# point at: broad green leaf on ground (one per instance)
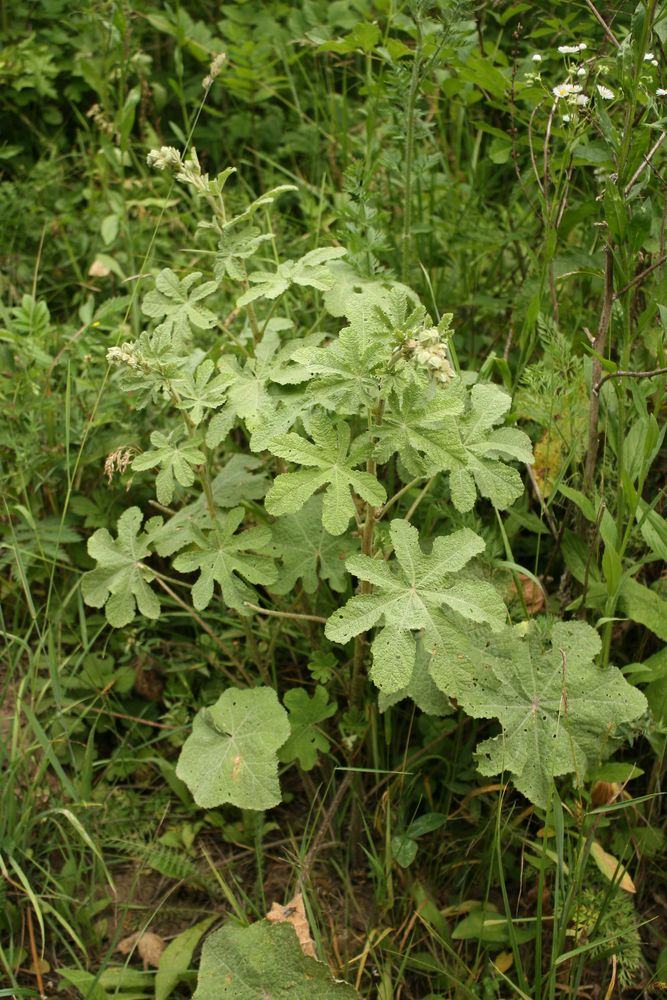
(176, 458)
(308, 552)
(477, 463)
(120, 580)
(178, 304)
(332, 463)
(199, 393)
(306, 740)
(238, 480)
(176, 958)
(558, 710)
(230, 755)
(263, 962)
(421, 688)
(223, 557)
(310, 270)
(409, 590)
(420, 426)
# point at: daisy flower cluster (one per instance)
(569, 96)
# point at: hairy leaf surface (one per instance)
(409, 591)
(308, 551)
(263, 962)
(558, 710)
(306, 740)
(332, 464)
(230, 755)
(120, 580)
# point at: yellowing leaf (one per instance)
(503, 961)
(611, 868)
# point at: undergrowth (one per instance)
(332, 357)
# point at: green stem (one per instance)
(409, 155)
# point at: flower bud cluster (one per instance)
(126, 354)
(430, 351)
(188, 171)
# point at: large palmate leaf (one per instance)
(176, 458)
(308, 551)
(237, 480)
(332, 463)
(249, 385)
(178, 304)
(223, 557)
(263, 962)
(230, 755)
(311, 270)
(420, 425)
(476, 464)
(421, 688)
(558, 710)
(306, 739)
(235, 246)
(121, 579)
(199, 393)
(346, 375)
(409, 592)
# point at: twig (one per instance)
(646, 162)
(314, 848)
(640, 277)
(598, 347)
(545, 510)
(131, 718)
(285, 614)
(36, 964)
(605, 27)
(619, 374)
(209, 631)
(419, 499)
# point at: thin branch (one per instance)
(646, 162)
(619, 374)
(605, 27)
(232, 657)
(419, 499)
(285, 614)
(598, 347)
(640, 277)
(381, 511)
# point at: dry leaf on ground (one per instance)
(294, 913)
(149, 946)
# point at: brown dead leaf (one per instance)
(98, 270)
(532, 594)
(150, 946)
(294, 913)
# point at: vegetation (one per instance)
(332, 537)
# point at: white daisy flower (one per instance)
(605, 92)
(661, 92)
(582, 100)
(582, 46)
(567, 118)
(648, 57)
(582, 71)
(654, 62)
(536, 57)
(568, 50)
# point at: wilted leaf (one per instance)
(294, 913)
(149, 946)
(611, 868)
